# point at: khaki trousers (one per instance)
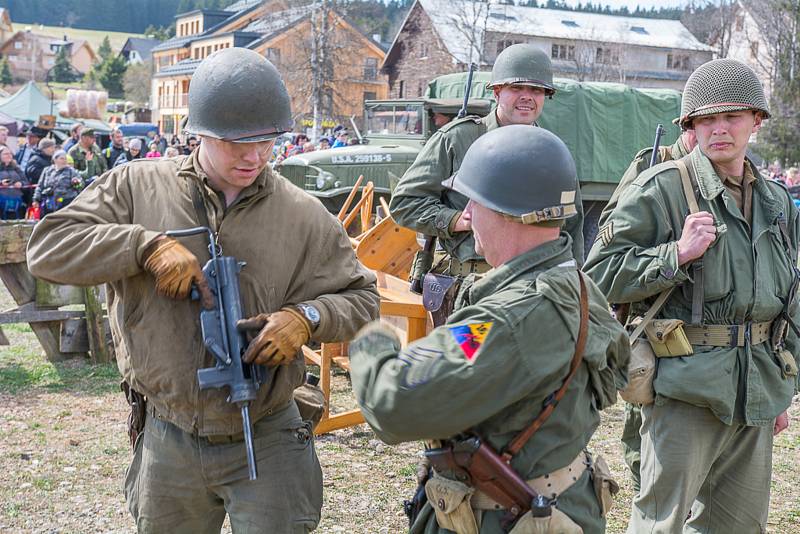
(180, 483)
(691, 461)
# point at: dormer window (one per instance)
(570, 23)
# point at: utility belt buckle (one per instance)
(746, 329)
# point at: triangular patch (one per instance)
(470, 337)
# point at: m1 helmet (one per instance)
(238, 95)
(524, 172)
(523, 64)
(720, 86)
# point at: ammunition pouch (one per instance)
(605, 487)
(556, 523)
(138, 415)
(439, 293)
(668, 338)
(450, 500)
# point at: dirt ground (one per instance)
(64, 450)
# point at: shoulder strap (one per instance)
(199, 205)
(552, 400)
(698, 290)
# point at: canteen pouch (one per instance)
(556, 523)
(439, 293)
(310, 401)
(667, 338)
(787, 362)
(641, 371)
(605, 487)
(450, 500)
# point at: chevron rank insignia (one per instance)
(470, 337)
(606, 233)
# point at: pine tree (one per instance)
(62, 70)
(5, 73)
(104, 51)
(110, 74)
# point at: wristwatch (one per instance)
(311, 314)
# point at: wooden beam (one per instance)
(339, 421)
(96, 326)
(30, 314)
(403, 309)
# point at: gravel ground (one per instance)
(64, 450)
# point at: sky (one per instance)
(632, 3)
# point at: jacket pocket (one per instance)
(717, 268)
(778, 258)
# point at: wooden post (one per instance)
(95, 325)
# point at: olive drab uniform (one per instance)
(631, 440)
(89, 170)
(421, 203)
(489, 370)
(706, 442)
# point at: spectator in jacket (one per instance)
(117, 147)
(86, 157)
(74, 136)
(32, 138)
(134, 152)
(12, 179)
(42, 157)
(59, 184)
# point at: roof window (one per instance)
(570, 23)
(639, 29)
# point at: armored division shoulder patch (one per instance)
(470, 337)
(606, 233)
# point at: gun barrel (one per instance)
(248, 441)
(656, 144)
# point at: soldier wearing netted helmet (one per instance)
(300, 282)
(720, 285)
(500, 369)
(522, 78)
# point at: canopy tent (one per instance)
(29, 103)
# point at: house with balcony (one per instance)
(445, 36)
(282, 34)
(31, 55)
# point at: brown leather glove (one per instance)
(175, 269)
(275, 337)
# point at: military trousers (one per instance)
(178, 482)
(632, 442)
(694, 463)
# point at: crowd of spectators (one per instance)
(44, 175)
(300, 144)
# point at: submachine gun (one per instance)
(423, 261)
(224, 341)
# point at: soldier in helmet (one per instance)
(726, 275)
(521, 78)
(489, 371)
(300, 282)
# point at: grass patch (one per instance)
(22, 370)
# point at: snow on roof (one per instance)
(453, 19)
(242, 5)
(277, 21)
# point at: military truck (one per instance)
(603, 124)
(393, 134)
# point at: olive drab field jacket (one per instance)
(295, 251)
(507, 347)
(421, 203)
(749, 273)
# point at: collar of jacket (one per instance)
(710, 184)
(263, 185)
(490, 121)
(547, 255)
(678, 151)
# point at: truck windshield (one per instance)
(394, 119)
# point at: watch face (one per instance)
(311, 313)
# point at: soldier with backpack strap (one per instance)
(720, 282)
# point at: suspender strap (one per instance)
(199, 205)
(698, 290)
(552, 400)
(654, 309)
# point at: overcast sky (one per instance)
(632, 3)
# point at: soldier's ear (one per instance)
(758, 120)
